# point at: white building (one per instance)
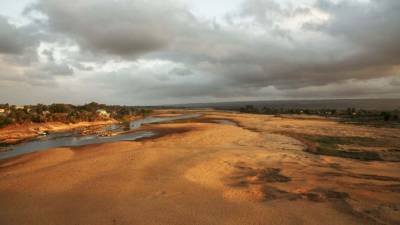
(103, 113)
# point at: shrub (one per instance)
(4, 121)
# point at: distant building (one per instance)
(2, 111)
(21, 107)
(102, 113)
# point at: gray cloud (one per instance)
(14, 40)
(180, 71)
(57, 69)
(371, 27)
(121, 28)
(252, 54)
(358, 42)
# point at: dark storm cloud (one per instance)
(372, 27)
(14, 40)
(45, 75)
(373, 24)
(347, 49)
(123, 28)
(360, 41)
(127, 28)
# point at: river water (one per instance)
(73, 138)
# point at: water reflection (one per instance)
(74, 138)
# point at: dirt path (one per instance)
(211, 174)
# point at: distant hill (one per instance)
(367, 104)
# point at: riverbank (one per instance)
(205, 172)
(130, 131)
(19, 132)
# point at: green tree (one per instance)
(4, 121)
(60, 108)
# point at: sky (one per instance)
(141, 52)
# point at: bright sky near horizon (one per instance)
(178, 51)
(206, 8)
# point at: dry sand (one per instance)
(209, 174)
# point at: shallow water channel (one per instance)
(73, 138)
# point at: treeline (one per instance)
(350, 113)
(67, 113)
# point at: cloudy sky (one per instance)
(144, 52)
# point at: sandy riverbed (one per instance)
(207, 173)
